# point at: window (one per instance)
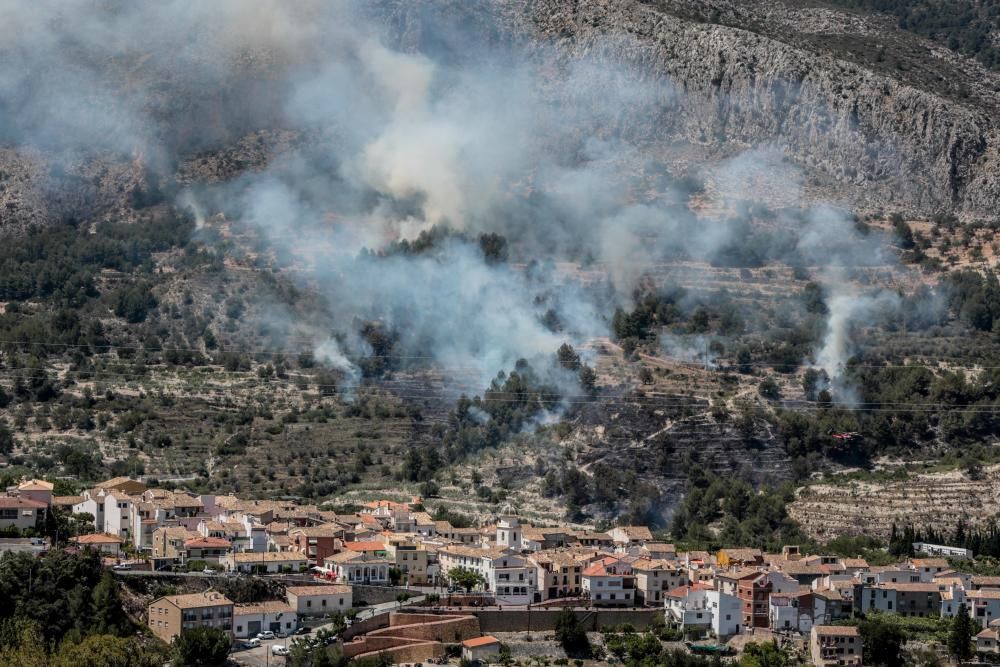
(324, 602)
(309, 603)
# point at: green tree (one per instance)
(568, 358)
(466, 578)
(588, 379)
(961, 634)
(201, 647)
(763, 655)
(107, 616)
(571, 635)
(882, 642)
(769, 389)
(6, 439)
(109, 651)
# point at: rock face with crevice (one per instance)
(885, 141)
(875, 116)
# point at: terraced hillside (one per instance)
(846, 506)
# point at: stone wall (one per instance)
(422, 652)
(442, 628)
(376, 594)
(366, 626)
(545, 619)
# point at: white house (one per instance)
(726, 613)
(271, 562)
(510, 576)
(276, 616)
(117, 513)
(609, 582)
(700, 607)
(319, 600)
(983, 605)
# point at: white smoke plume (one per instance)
(405, 124)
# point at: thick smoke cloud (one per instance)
(398, 141)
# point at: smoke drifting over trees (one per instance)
(401, 135)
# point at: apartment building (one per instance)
(558, 574)
(610, 582)
(21, 513)
(653, 578)
(170, 616)
(835, 646)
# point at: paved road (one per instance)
(261, 656)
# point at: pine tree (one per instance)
(107, 615)
(960, 635)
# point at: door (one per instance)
(253, 627)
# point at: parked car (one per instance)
(266, 635)
(251, 643)
(278, 649)
(122, 566)
(303, 630)
(208, 570)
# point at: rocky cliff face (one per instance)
(875, 117)
(886, 142)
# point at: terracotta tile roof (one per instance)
(376, 504)
(982, 580)
(359, 556)
(115, 482)
(207, 543)
(325, 530)
(742, 573)
(837, 630)
(636, 532)
(486, 640)
(266, 607)
(682, 591)
(913, 587)
(983, 595)
(35, 485)
(9, 502)
(195, 600)
(364, 546)
(66, 501)
(98, 538)
(267, 556)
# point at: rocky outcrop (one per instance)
(891, 143)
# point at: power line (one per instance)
(799, 405)
(694, 364)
